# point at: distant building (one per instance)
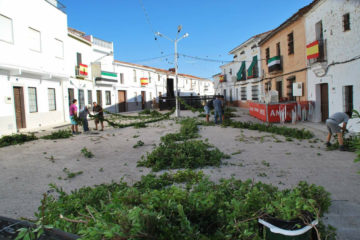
(333, 50)
(240, 80)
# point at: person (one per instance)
(217, 109)
(332, 125)
(97, 109)
(84, 112)
(73, 116)
(207, 108)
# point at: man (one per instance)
(73, 116)
(217, 109)
(84, 112)
(332, 125)
(97, 109)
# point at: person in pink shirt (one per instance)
(73, 115)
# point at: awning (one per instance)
(250, 71)
(240, 75)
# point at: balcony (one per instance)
(57, 4)
(275, 64)
(81, 71)
(320, 55)
(102, 43)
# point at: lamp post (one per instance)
(177, 108)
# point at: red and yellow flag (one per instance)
(221, 78)
(83, 69)
(144, 81)
(312, 50)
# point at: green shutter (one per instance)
(240, 72)
(250, 71)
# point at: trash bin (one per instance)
(276, 229)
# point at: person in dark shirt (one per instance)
(97, 109)
(218, 109)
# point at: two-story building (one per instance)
(240, 80)
(283, 54)
(32, 64)
(333, 50)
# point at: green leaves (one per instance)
(16, 139)
(58, 134)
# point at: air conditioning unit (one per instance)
(298, 89)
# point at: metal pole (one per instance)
(177, 110)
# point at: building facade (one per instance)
(283, 54)
(32, 64)
(240, 80)
(332, 38)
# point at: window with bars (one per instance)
(243, 93)
(32, 100)
(6, 26)
(255, 92)
(108, 97)
(267, 53)
(121, 78)
(346, 22)
(52, 99)
(81, 98)
(290, 43)
(90, 101)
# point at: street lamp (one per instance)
(177, 109)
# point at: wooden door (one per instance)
(122, 101)
(19, 107)
(324, 92)
(143, 99)
(99, 97)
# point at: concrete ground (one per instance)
(26, 170)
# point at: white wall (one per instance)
(341, 46)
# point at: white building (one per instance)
(240, 80)
(334, 69)
(32, 64)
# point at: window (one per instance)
(253, 46)
(6, 33)
(243, 93)
(279, 89)
(319, 30)
(52, 99)
(121, 78)
(81, 99)
(158, 77)
(90, 101)
(78, 58)
(230, 71)
(134, 75)
(59, 48)
(34, 40)
(267, 53)
(149, 78)
(236, 94)
(108, 97)
(348, 98)
(255, 92)
(278, 52)
(291, 43)
(290, 81)
(32, 100)
(242, 52)
(346, 22)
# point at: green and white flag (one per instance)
(274, 63)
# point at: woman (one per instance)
(73, 116)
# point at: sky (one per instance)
(214, 27)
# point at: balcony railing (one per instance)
(102, 43)
(322, 53)
(57, 4)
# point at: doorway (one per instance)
(170, 88)
(348, 101)
(71, 95)
(99, 97)
(324, 96)
(143, 99)
(19, 107)
(122, 100)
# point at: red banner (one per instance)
(258, 110)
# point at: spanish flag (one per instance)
(144, 81)
(222, 78)
(83, 69)
(312, 50)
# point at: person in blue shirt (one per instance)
(332, 125)
(218, 109)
